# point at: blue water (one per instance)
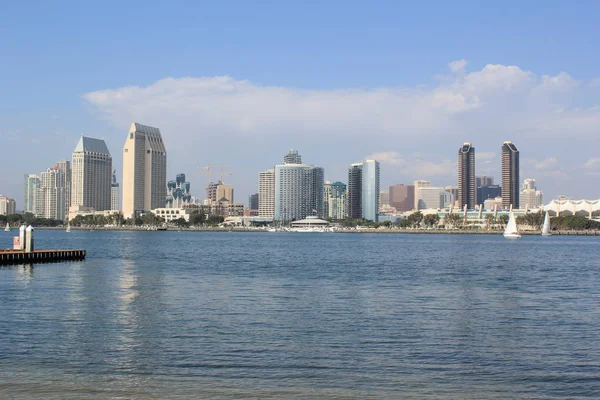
(304, 316)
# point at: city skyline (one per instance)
(376, 91)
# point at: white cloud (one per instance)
(546, 164)
(458, 66)
(219, 119)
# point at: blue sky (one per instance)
(241, 82)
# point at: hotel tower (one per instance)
(467, 192)
(510, 175)
(144, 182)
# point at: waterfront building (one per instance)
(292, 157)
(488, 192)
(484, 180)
(169, 214)
(211, 192)
(178, 192)
(492, 203)
(510, 175)
(298, 190)
(363, 190)
(430, 197)
(144, 170)
(52, 194)
(530, 197)
(402, 197)
(91, 186)
(564, 206)
(32, 186)
(115, 193)
(419, 184)
(266, 194)
(8, 206)
(334, 200)
(65, 167)
(466, 176)
(253, 202)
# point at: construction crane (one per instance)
(207, 169)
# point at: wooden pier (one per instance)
(39, 256)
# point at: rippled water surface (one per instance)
(291, 315)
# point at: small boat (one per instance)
(546, 226)
(511, 231)
(68, 227)
(7, 229)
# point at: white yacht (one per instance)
(511, 231)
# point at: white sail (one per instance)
(68, 226)
(511, 230)
(7, 229)
(546, 226)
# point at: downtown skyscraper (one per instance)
(298, 189)
(144, 182)
(467, 191)
(510, 175)
(363, 190)
(32, 186)
(90, 182)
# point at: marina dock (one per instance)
(39, 256)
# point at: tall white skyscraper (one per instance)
(298, 189)
(52, 194)
(91, 175)
(266, 194)
(144, 170)
(7, 205)
(363, 190)
(334, 200)
(530, 197)
(115, 193)
(32, 186)
(65, 167)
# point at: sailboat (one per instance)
(7, 229)
(511, 230)
(546, 226)
(68, 227)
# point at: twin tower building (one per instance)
(467, 189)
(144, 185)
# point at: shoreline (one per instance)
(354, 231)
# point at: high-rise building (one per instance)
(488, 192)
(363, 190)
(483, 180)
(32, 186)
(510, 175)
(253, 201)
(334, 200)
(266, 194)
(429, 197)
(225, 193)
(178, 192)
(91, 183)
(298, 190)
(466, 176)
(115, 193)
(418, 185)
(292, 157)
(52, 194)
(7, 206)
(384, 199)
(530, 197)
(144, 170)
(65, 167)
(402, 197)
(452, 196)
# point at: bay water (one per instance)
(237, 315)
